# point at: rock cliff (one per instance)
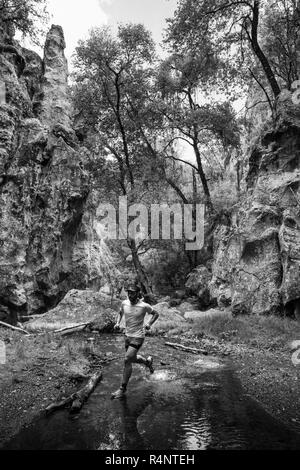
(257, 253)
(48, 244)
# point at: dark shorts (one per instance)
(135, 343)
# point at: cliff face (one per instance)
(257, 255)
(47, 241)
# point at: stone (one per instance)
(168, 318)
(173, 302)
(179, 294)
(289, 240)
(106, 289)
(256, 266)
(199, 314)
(49, 239)
(77, 307)
(198, 284)
(186, 307)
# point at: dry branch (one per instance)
(70, 329)
(6, 325)
(186, 348)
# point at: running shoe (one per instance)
(150, 364)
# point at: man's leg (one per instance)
(130, 358)
(141, 360)
(146, 362)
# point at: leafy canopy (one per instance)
(26, 16)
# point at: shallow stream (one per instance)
(191, 402)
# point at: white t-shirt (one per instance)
(134, 316)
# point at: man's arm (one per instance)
(155, 316)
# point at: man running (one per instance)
(134, 311)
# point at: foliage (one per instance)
(257, 39)
(112, 78)
(282, 39)
(113, 84)
(26, 16)
(188, 115)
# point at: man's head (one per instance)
(133, 292)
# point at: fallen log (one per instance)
(59, 404)
(71, 329)
(187, 348)
(85, 392)
(77, 399)
(15, 328)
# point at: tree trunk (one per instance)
(177, 190)
(260, 54)
(238, 178)
(202, 176)
(141, 274)
(190, 259)
(195, 200)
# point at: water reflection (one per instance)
(130, 413)
(197, 431)
(162, 375)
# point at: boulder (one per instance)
(186, 307)
(198, 284)
(174, 302)
(167, 298)
(199, 315)
(78, 307)
(256, 263)
(169, 318)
